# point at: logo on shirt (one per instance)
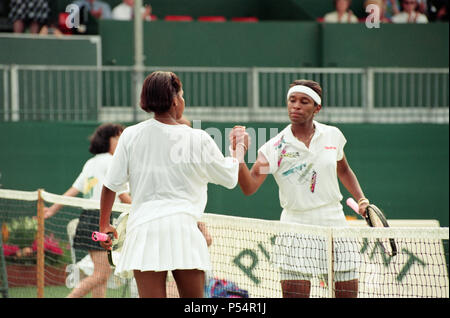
(285, 154)
(89, 186)
(330, 147)
(312, 186)
(302, 174)
(279, 144)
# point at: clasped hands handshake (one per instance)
(239, 142)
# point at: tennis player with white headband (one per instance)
(305, 90)
(306, 159)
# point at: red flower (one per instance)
(9, 250)
(50, 244)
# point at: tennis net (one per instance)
(253, 255)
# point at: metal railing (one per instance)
(85, 93)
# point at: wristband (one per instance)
(363, 200)
(233, 154)
(243, 145)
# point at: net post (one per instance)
(40, 246)
(330, 258)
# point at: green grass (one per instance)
(61, 292)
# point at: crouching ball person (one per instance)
(307, 159)
(168, 166)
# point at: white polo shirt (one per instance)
(125, 12)
(404, 17)
(90, 181)
(168, 168)
(307, 177)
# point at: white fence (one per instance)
(382, 95)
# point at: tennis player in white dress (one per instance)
(307, 159)
(168, 166)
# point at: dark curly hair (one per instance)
(158, 91)
(311, 84)
(100, 138)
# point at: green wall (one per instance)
(232, 44)
(213, 44)
(409, 45)
(48, 50)
(278, 44)
(404, 168)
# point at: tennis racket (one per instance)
(102, 237)
(376, 218)
(120, 224)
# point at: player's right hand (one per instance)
(107, 245)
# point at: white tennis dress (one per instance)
(309, 194)
(168, 168)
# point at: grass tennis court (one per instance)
(392, 108)
(59, 292)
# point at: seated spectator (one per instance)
(52, 27)
(98, 9)
(382, 9)
(125, 11)
(391, 8)
(32, 13)
(410, 13)
(438, 10)
(422, 6)
(342, 14)
(51, 30)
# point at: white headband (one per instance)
(305, 90)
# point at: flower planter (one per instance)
(25, 275)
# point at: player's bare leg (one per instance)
(97, 281)
(190, 283)
(151, 284)
(296, 288)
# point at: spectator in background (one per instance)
(52, 26)
(343, 14)
(422, 6)
(125, 11)
(382, 7)
(98, 9)
(391, 8)
(51, 30)
(410, 13)
(32, 13)
(438, 10)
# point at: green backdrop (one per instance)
(232, 44)
(402, 167)
(278, 44)
(49, 50)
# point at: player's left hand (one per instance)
(362, 208)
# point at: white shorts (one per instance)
(343, 276)
(164, 244)
(301, 256)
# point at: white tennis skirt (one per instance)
(164, 244)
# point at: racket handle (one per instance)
(99, 236)
(353, 205)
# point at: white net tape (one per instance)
(258, 254)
